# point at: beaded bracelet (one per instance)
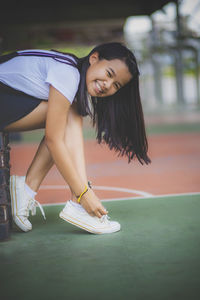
(90, 184)
(81, 195)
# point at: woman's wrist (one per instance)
(74, 197)
(82, 194)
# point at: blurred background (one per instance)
(159, 244)
(164, 36)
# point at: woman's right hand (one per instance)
(92, 204)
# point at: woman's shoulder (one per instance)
(61, 69)
(53, 54)
(58, 63)
(64, 77)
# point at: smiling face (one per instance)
(105, 77)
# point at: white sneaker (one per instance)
(21, 203)
(80, 218)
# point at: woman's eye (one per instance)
(116, 86)
(109, 74)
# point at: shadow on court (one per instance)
(154, 256)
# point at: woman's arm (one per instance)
(56, 122)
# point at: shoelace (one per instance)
(32, 207)
(105, 219)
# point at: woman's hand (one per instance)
(92, 204)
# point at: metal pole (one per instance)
(198, 75)
(179, 58)
(156, 65)
(5, 206)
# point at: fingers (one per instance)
(103, 211)
(93, 205)
(100, 212)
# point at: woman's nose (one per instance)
(108, 83)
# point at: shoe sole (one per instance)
(18, 221)
(77, 223)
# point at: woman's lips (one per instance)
(97, 87)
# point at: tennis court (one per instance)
(154, 256)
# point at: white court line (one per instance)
(131, 198)
(100, 188)
(143, 195)
(154, 196)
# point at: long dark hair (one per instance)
(118, 118)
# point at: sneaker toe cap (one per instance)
(23, 223)
(115, 225)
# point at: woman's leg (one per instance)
(34, 120)
(40, 166)
(42, 162)
(22, 199)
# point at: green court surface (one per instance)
(156, 255)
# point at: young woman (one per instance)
(52, 90)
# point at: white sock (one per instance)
(77, 205)
(29, 191)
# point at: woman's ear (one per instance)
(94, 57)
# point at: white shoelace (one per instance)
(32, 207)
(105, 219)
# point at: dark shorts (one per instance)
(14, 105)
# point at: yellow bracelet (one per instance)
(79, 197)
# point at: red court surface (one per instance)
(175, 169)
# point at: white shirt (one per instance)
(33, 75)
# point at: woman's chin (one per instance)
(92, 94)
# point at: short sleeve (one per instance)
(64, 78)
